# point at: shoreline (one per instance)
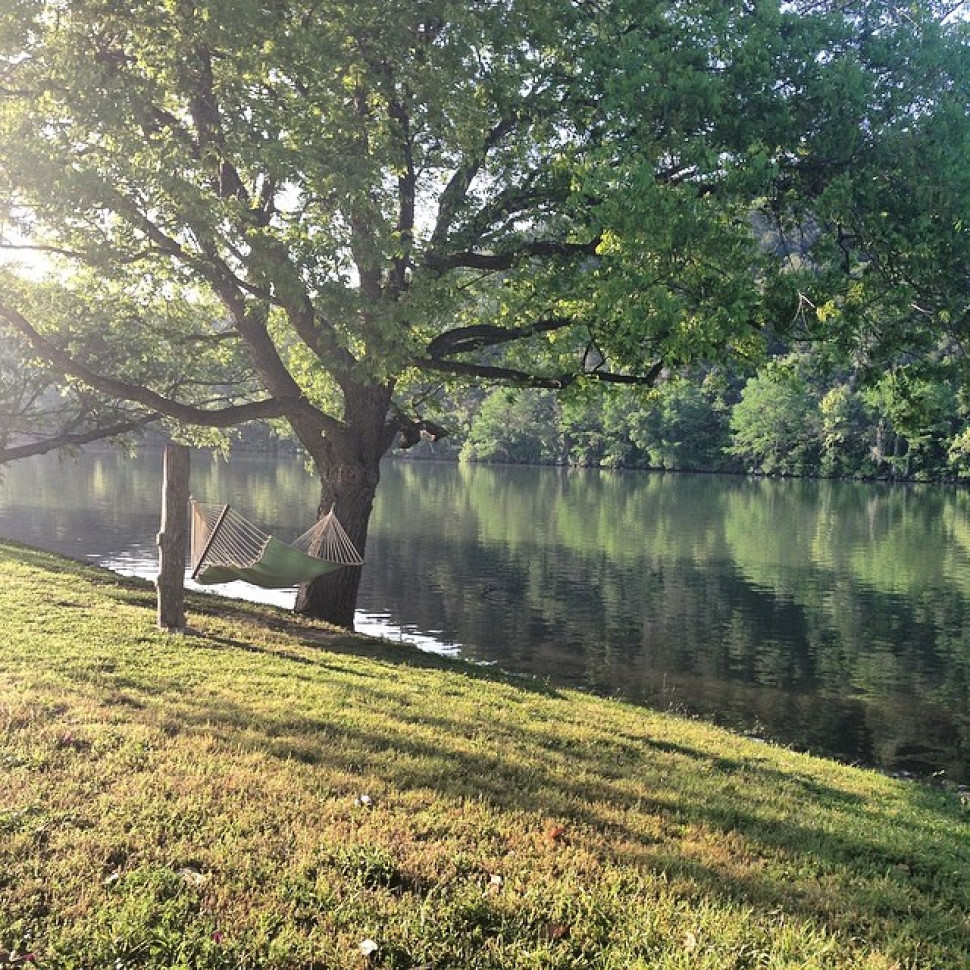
(270, 792)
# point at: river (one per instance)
(830, 616)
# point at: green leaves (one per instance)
(618, 187)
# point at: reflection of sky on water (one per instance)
(831, 616)
(135, 562)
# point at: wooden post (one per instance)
(173, 539)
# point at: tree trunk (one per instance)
(350, 490)
(349, 464)
(173, 539)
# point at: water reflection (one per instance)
(826, 615)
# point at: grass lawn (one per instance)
(266, 793)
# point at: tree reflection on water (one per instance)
(825, 615)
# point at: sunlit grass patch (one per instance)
(267, 793)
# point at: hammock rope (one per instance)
(226, 546)
(334, 543)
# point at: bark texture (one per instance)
(349, 464)
(173, 539)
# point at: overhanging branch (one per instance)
(521, 378)
(479, 336)
(221, 418)
(74, 439)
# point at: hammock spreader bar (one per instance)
(227, 547)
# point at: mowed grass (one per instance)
(265, 793)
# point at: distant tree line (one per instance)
(799, 414)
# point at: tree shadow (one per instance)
(337, 641)
(617, 786)
(591, 788)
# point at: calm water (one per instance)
(830, 616)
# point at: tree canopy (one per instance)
(326, 212)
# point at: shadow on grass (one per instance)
(643, 799)
(623, 788)
(843, 878)
(337, 641)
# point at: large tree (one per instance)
(322, 211)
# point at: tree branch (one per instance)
(497, 262)
(291, 295)
(479, 336)
(206, 117)
(411, 430)
(221, 418)
(456, 191)
(406, 192)
(528, 195)
(522, 378)
(74, 439)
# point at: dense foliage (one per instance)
(332, 215)
(790, 417)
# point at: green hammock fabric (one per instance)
(278, 567)
(227, 547)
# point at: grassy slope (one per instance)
(193, 801)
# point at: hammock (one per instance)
(228, 547)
